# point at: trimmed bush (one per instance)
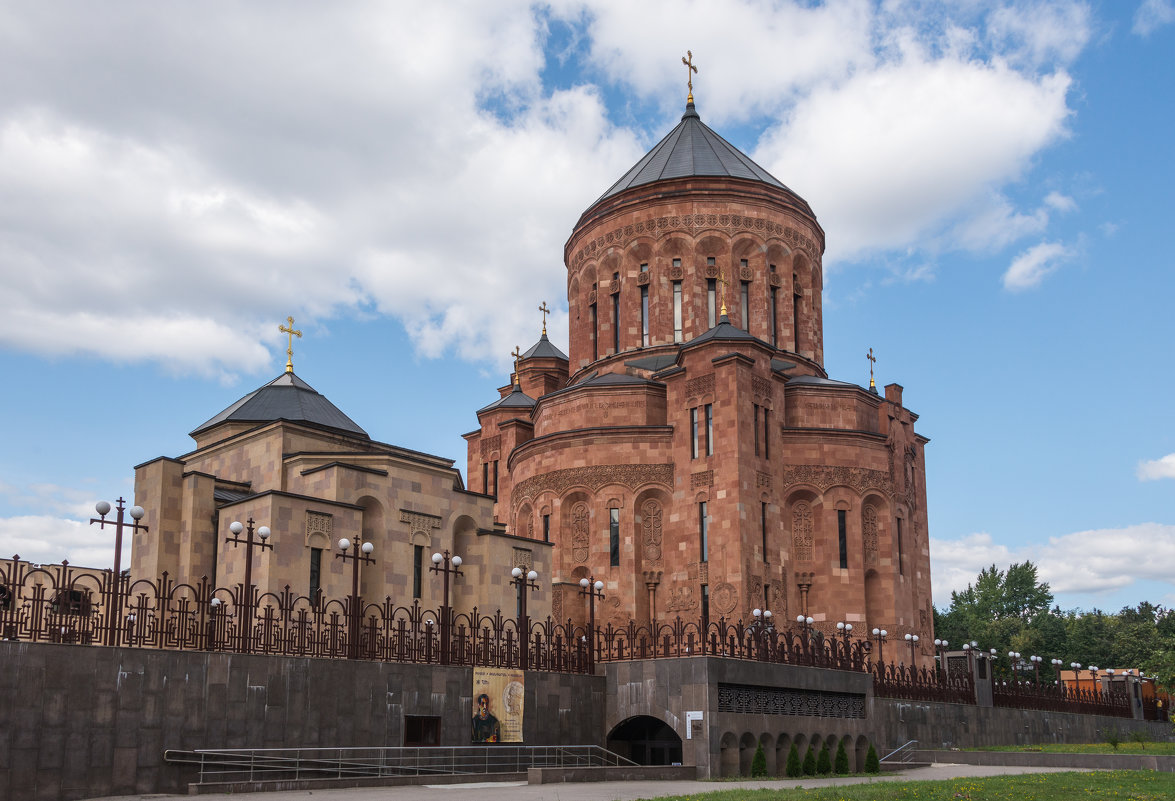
(759, 763)
(824, 762)
(1113, 737)
(841, 765)
(809, 766)
(793, 763)
(872, 764)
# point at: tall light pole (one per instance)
(593, 589)
(912, 641)
(846, 631)
(447, 566)
(247, 593)
(524, 581)
(880, 634)
(115, 606)
(940, 647)
(362, 554)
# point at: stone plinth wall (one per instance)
(1043, 760)
(81, 722)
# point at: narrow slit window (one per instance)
(703, 532)
(842, 538)
(614, 537)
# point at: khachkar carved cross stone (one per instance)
(290, 347)
(690, 71)
(543, 308)
(872, 361)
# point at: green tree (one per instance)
(997, 609)
(794, 769)
(841, 765)
(809, 766)
(824, 762)
(872, 765)
(759, 763)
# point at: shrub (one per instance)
(793, 763)
(872, 765)
(1141, 736)
(1113, 737)
(759, 763)
(841, 765)
(809, 766)
(824, 762)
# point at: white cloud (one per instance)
(1040, 33)
(1030, 267)
(1153, 14)
(1085, 562)
(1062, 203)
(1157, 468)
(48, 540)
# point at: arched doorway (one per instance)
(646, 741)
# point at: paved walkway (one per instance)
(590, 791)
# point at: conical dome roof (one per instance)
(693, 149)
(287, 397)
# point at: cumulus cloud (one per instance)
(1153, 14)
(49, 540)
(1157, 468)
(1033, 265)
(1059, 202)
(1085, 562)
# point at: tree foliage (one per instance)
(794, 770)
(872, 764)
(759, 763)
(824, 762)
(841, 764)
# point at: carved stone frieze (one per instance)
(319, 523)
(744, 273)
(696, 387)
(776, 279)
(869, 535)
(702, 479)
(676, 272)
(594, 478)
(681, 599)
(724, 598)
(524, 558)
(557, 606)
(489, 445)
(824, 476)
(419, 522)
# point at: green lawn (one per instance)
(1125, 747)
(1118, 785)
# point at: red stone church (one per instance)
(691, 452)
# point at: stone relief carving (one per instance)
(762, 480)
(557, 606)
(676, 272)
(703, 479)
(524, 558)
(760, 387)
(594, 478)
(319, 523)
(801, 526)
(681, 599)
(696, 387)
(725, 598)
(580, 542)
(859, 478)
(651, 530)
(744, 273)
(869, 535)
(642, 279)
(490, 444)
(419, 522)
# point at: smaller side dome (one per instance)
(286, 397)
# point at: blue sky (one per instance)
(993, 179)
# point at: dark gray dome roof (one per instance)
(543, 349)
(286, 397)
(692, 149)
(517, 399)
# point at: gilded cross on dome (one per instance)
(543, 308)
(722, 280)
(290, 347)
(690, 71)
(872, 360)
(516, 353)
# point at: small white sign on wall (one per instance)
(692, 720)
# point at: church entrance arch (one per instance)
(646, 741)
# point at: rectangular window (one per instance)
(594, 321)
(766, 434)
(901, 554)
(795, 317)
(417, 568)
(546, 528)
(645, 267)
(677, 334)
(495, 478)
(746, 305)
(644, 316)
(842, 538)
(485, 478)
(711, 302)
(709, 429)
(703, 532)
(693, 432)
(774, 318)
(614, 537)
(705, 604)
(763, 526)
(616, 317)
(766, 596)
(756, 427)
(315, 572)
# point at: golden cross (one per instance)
(690, 71)
(290, 346)
(722, 280)
(872, 360)
(543, 308)
(517, 354)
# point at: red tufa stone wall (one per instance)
(825, 448)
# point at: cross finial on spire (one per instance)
(290, 347)
(872, 360)
(690, 71)
(517, 354)
(543, 308)
(722, 280)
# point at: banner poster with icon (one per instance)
(497, 705)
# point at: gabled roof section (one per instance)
(517, 399)
(724, 332)
(543, 349)
(286, 397)
(692, 149)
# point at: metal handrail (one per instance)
(904, 752)
(285, 764)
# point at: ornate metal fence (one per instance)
(1059, 698)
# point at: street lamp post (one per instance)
(940, 647)
(136, 512)
(246, 622)
(1036, 660)
(523, 581)
(447, 566)
(846, 631)
(912, 641)
(362, 554)
(593, 589)
(880, 634)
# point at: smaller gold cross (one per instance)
(722, 280)
(290, 346)
(872, 360)
(690, 71)
(543, 308)
(517, 354)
